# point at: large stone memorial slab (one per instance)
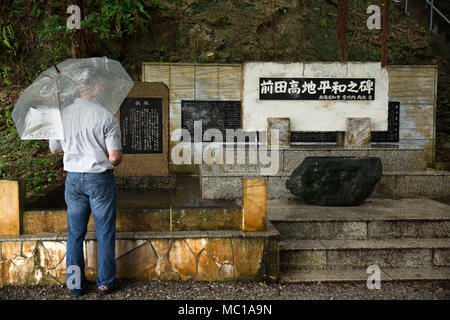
(316, 96)
(144, 125)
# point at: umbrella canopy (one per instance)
(42, 110)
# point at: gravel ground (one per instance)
(171, 290)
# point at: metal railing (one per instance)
(407, 8)
(432, 9)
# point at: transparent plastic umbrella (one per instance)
(40, 111)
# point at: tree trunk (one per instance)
(303, 40)
(342, 29)
(28, 9)
(136, 14)
(3, 10)
(238, 28)
(49, 7)
(84, 46)
(385, 34)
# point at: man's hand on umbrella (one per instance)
(55, 146)
(56, 151)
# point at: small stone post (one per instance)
(284, 132)
(12, 198)
(340, 138)
(358, 133)
(254, 200)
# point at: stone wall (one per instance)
(415, 87)
(200, 256)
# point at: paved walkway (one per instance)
(171, 290)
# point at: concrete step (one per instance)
(344, 275)
(354, 254)
(377, 218)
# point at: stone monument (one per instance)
(144, 125)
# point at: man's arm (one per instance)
(55, 146)
(113, 143)
(115, 156)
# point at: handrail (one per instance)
(433, 8)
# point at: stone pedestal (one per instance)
(340, 138)
(12, 197)
(406, 164)
(284, 132)
(358, 133)
(254, 200)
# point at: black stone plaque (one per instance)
(391, 135)
(219, 115)
(337, 89)
(305, 136)
(141, 125)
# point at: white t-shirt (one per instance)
(90, 131)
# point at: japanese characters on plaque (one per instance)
(219, 115)
(317, 89)
(141, 125)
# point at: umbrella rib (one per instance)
(47, 75)
(80, 84)
(57, 96)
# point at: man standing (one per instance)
(92, 148)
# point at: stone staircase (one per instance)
(408, 239)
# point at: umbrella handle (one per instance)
(57, 70)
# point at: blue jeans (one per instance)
(96, 192)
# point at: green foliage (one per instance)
(202, 6)
(4, 76)
(29, 160)
(8, 40)
(160, 54)
(115, 20)
(106, 19)
(2, 169)
(36, 37)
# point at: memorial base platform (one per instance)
(404, 173)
